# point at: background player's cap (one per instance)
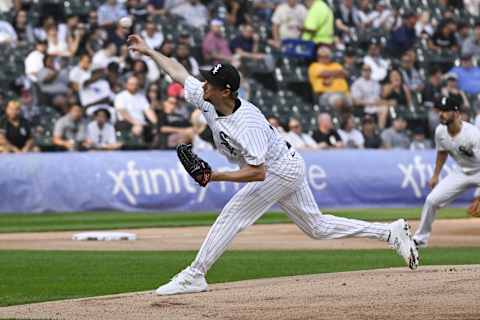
(223, 76)
(449, 104)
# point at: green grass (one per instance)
(33, 276)
(119, 220)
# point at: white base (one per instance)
(104, 236)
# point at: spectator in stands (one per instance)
(81, 72)
(113, 77)
(346, 19)
(95, 92)
(7, 33)
(403, 38)
(69, 132)
(351, 136)
(214, 46)
(468, 75)
(15, 132)
(463, 33)
(46, 23)
(182, 55)
(75, 35)
(350, 65)
(366, 93)
(152, 36)
(288, 20)
(432, 92)
(382, 16)
(236, 12)
(107, 54)
(275, 123)
(23, 27)
(137, 9)
(168, 47)
(202, 135)
(370, 134)
(29, 109)
(245, 45)
(419, 141)
(53, 83)
(56, 46)
(156, 7)
(118, 35)
(423, 27)
(451, 90)
(444, 37)
(319, 22)
(411, 76)
(328, 80)
(139, 71)
(378, 65)
(297, 138)
(365, 15)
(194, 13)
(92, 21)
(100, 132)
(396, 91)
(326, 136)
(34, 60)
(471, 46)
(153, 97)
(173, 127)
(110, 12)
(396, 137)
(132, 107)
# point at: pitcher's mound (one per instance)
(441, 292)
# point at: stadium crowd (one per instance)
(328, 74)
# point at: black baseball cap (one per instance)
(223, 75)
(449, 104)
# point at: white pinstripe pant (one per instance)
(292, 192)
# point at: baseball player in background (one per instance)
(273, 171)
(460, 140)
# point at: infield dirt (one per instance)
(440, 292)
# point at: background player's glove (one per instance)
(474, 208)
(196, 167)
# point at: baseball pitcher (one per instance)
(273, 171)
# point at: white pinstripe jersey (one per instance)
(245, 136)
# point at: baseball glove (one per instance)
(196, 167)
(474, 208)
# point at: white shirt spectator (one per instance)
(302, 141)
(101, 137)
(354, 138)
(33, 64)
(290, 20)
(6, 5)
(7, 32)
(194, 15)
(379, 67)
(367, 90)
(78, 75)
(94, 92)
(384, 19)
(108, 14)
(102, 59)
(135, 104)
(155, 41)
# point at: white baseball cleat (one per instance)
(187, 281)
(401, 239)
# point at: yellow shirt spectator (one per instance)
(321, 84)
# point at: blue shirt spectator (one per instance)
(110, 12)
(403, 38)
(468, 75)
